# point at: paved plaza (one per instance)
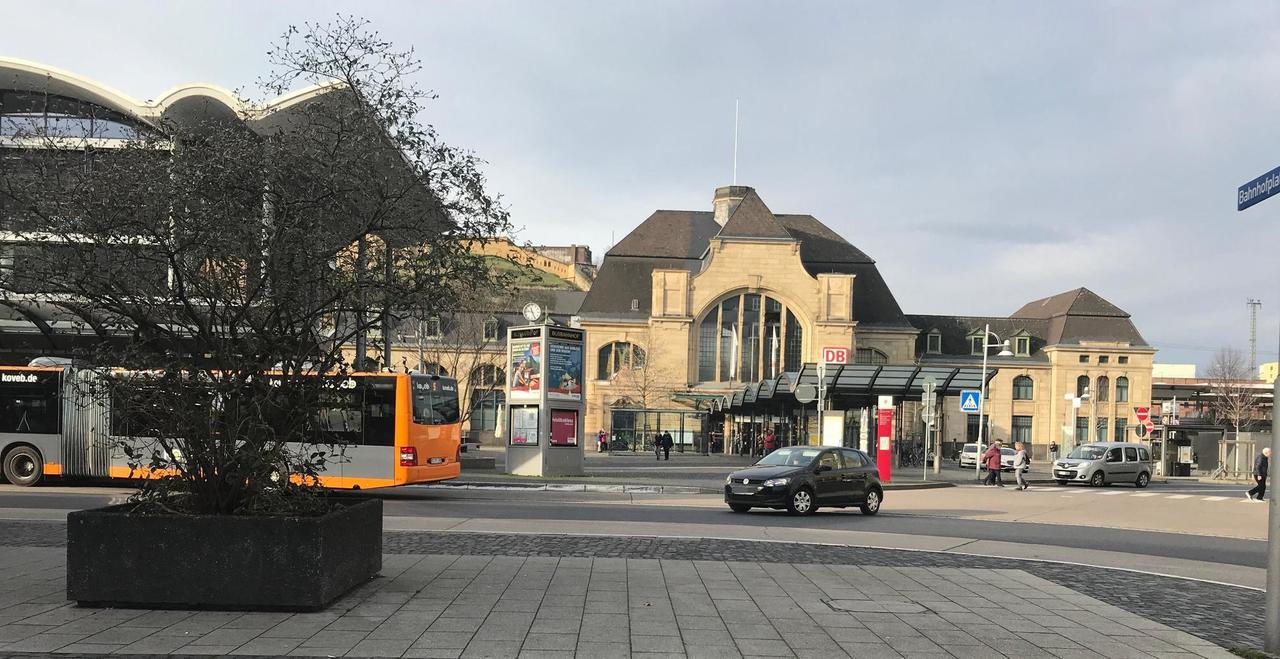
(637, 597)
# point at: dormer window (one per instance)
(933, 343)
(977, 343)
(491, 329)
(1022, 346)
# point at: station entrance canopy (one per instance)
(852, 385)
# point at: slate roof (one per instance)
(752, 219)
(673, 239)
(1077, 302)
(1067, 318)
(669, 234)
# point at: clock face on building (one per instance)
(532, 312)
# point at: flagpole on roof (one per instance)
(735, 141)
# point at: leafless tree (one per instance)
(1235, 400)
(225, 260)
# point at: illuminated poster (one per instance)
(564, 370)
(524, 426)
(564, 428)
(526, 370)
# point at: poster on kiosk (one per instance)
(544, 400)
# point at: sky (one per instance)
(984, 153)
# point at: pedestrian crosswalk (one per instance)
(1083, 492)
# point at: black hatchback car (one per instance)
(801, 479)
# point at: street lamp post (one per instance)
(982, 391)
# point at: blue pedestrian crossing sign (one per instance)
(969, 401)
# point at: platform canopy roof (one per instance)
(852, 384)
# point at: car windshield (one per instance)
(1088, 452)
(792, 456)
(970, 449)
(1006, 451)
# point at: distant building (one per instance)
(1269, 371)
(569, 263)
(1160, 371)
(694, 312)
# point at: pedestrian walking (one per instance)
(657, 445)
(1260, 467)
(1053, 451)
(602, 442)
(770, 442)
(667, 443)
(992, 461)
(1020, 464)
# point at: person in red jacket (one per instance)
(770, 442)
(992, 461)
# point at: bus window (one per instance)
(29, 402)
(435, 401)
(379, 411)
(339, 419)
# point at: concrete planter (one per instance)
(115, 558)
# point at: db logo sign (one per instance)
(835, 355)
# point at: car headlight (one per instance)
(728, 479)
(775, 482)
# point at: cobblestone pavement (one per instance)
(1226, 615)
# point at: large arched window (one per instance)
(1122, 390)
(1082, 386)
(618, 356)
(1023, 388)
(747, 338)
(1104, 389)
(870, 356)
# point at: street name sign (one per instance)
(1259, 189)
(835, 355)
(969, 401)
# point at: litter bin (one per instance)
(1182, 469)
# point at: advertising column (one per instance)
(884, 438)
(544, 401)
(525, 361)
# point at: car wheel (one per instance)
(23, 466)
(1062, 482)
(1098, 479)
(801, 502)
(739, 508)
(872, 506)
(1143, 479)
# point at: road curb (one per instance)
(524, 486)
(616, 488)
(917, 486)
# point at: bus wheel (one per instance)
(23, 466)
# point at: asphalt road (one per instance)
(416, 502)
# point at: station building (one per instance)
(703, 322)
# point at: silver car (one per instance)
(1103, 463)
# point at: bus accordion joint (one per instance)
(408, 456)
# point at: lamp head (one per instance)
(1004, 350)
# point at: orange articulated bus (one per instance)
(389, 429)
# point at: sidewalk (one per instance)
(467, 605)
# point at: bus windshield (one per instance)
(435, 400)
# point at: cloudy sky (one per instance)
(984, 153)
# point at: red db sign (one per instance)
(835, 355)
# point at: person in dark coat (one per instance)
(667, 443)
(1260, 467)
